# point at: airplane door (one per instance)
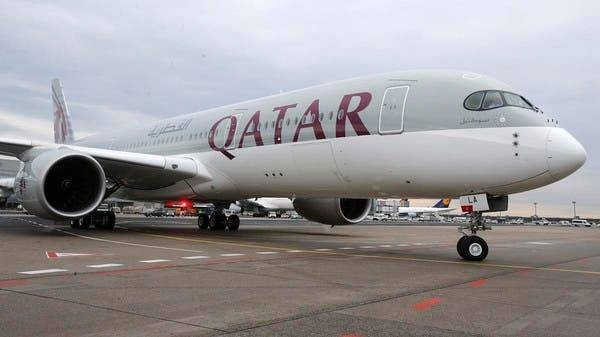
(391, 116)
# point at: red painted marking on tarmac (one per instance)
(478, 283)
(427, 304)
(583, 261)
(56, 255)
(351, 334)
(12, 283)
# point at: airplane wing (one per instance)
(133, 170)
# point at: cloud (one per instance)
(17, 125)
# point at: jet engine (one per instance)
(60, 184)
(333, 211)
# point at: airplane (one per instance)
(440, 207)
(265, 205)
(331, 148)
(262, 206)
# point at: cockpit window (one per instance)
(516, 100)
(473, 102)
(492, 100)
(486, 100)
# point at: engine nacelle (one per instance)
(333, 211)
(60, 184)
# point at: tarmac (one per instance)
(281, 277)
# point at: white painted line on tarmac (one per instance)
(111, 241)
(295, 251)
(42, 271)
(267, 253)
(402, 245)
(385, 246)
(323, 249)
(154, 261)
(418, 244)
(538, 243)
(195, 257)
(346, 248)
(367, 247)
(232, 254)
(106, 265)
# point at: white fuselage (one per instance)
(400, 135)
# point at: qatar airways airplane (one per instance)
(330, 148)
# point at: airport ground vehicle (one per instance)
(380, 217)
(160, 213)
(580, 223)
(541, 222)
(517, 221)
(564, 223)
(260, 148)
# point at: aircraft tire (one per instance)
(85, 222)
(474, 248)
(110, 223)
(75, 223)
(217, 222)
(233, 222)
(203, 221)
(459, 246)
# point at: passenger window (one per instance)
(492, 100)
(473, 102)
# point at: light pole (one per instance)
(574, 210)
(535, 210)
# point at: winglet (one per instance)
(63, 131)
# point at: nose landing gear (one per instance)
(470, 246)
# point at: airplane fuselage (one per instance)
(397, 135)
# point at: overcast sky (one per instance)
(122, 62)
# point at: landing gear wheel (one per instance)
(217, 222)
(110, 221)
(459, 246)
(203, 221)
(233, 222)
(76, 223)
(473, 248)
(85, 222)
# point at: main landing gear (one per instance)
(217, 220)
(470, 246)
(99, 219)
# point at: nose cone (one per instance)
(565, 153)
